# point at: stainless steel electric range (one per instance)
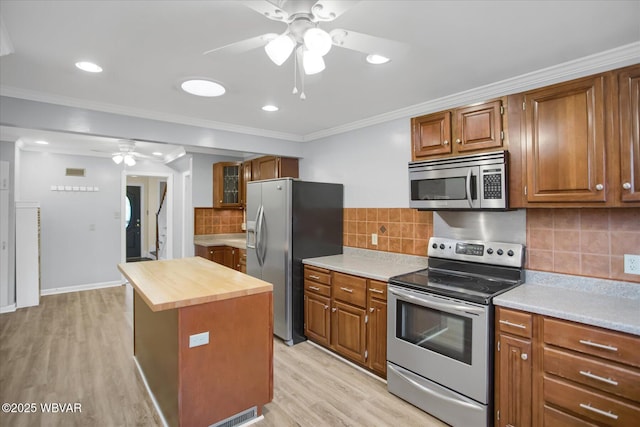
(440, 328)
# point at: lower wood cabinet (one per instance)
(552, 372)
(225, 255)
(347, 314)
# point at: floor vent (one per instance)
(75, 172)
(238, 419)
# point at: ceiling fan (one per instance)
(126, 153)
(304, 36)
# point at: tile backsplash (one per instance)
(217, 221)
(400, 230)
(584, 242)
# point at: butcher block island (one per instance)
(203, 339)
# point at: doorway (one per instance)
(132, 223)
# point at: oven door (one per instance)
(441, 339)
(450, 188)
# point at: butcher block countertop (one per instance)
(175, 283)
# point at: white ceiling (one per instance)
(147, 48)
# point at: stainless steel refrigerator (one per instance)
(289, 220)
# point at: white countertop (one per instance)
(605, 303)
(370, 264)
(236, 240)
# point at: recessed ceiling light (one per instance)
(270, 108)
(377, 59)
(201, 87)
(42, 142)
(89, 67)
(157, 153)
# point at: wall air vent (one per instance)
(75, 172)
(238, 419)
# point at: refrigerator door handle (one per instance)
(258, 232)
(262, 246)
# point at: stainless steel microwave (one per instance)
(477, 181)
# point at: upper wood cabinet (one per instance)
(629, 98)
(463, 130)
(576, 144)
(227, 185)
(565, 129)
(270, 167)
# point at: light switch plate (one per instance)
(197, 340)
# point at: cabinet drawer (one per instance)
(317, 288)
(317, 274)
(514, 322)
(590, 405)
(554, 417)
(350, 289)
(378, 290)
(604, 376)
(592, 340)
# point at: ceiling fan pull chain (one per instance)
(302, 95)
(295, 73)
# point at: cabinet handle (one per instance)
(371, 309)
(445, 142)
(588, 374)
(333, 309)
(609, 414)
(515, 325)
(311, 276)
(626, 186)
(377, 291)
(524, 356)
(314, 288)
(458, 141)
(600, 346)
(599, 187)
(347, 290)
(326, 307)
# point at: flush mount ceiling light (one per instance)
(89, 67)
(270, 108)
(377, 59)
(157, 153)
(202, 87)
(304, 38)
(42, 142)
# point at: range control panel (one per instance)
(496, 253)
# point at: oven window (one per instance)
(453, 188)
(445, 333)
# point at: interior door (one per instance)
(134, 241)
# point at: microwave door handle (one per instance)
(437, 305)
(469, 188)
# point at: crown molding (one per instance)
(603, 61)
(29, 95)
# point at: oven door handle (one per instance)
(438, 305)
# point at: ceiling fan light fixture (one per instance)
(280, 48)
(270, 108)
(317, 40)
(201, 87)
(377, 59)
(129, 160)
(117, 158)
(312, 62)
(89, 67)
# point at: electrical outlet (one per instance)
(631, 264)
(374, 239)
(198, 339)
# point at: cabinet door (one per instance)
(246, 177)
(264, 168)
(217, 254)
(204, 252)
(629, 86)
(317, 321)
(565, 128)
(348, 334)
(226, 185)
(514, 395)
(431, 135)
(479, 127)
(230, 257)
(377, 336)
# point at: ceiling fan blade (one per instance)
(366, 43)
(268, 9)
(328, 10)
(246, 45)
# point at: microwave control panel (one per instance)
(492, 183)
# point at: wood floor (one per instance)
(77, 348)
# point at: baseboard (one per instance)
(348, 362)
(78, 288)
(8, 309)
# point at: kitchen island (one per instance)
(203, 339)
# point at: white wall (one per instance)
(202, 183)
(370, 162)
(7, 153)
